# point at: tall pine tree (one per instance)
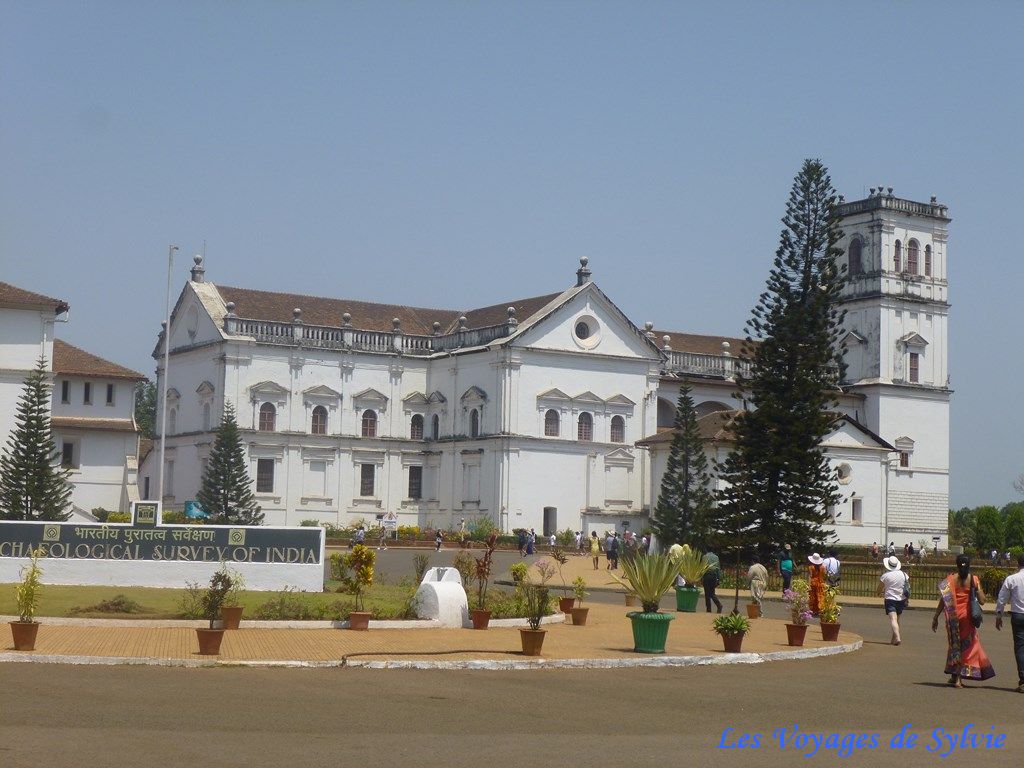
(226, 492)
(684, 504)
(33, 486)
(780, 484)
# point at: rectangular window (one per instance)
(67, 455)
(904, 459)
(110, 394)
(264, 475)
(65, 391)
(914, 367)
(87, 394)
(169, 479)
(415, 482)
(366, 479)
(857, 511)
(145, 487)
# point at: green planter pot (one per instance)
(650, 630)
(686, 599)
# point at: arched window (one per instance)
(666, 414)
(172, 421)
(268, 414)
(416, 427)
(206, 416)
(551, 423)
(856, 265)
(435, 426)
(585, 427)
(319, 423)
(474, 423)
(618, 429)
(369, 424)
(927, 261)
(897, 257)
(912, 249)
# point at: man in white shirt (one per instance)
(831, 564)
(891, 591)
(1012, 594)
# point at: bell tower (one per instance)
(897, 310)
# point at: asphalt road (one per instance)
(128, 716)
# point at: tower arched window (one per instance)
(435, 426)
(318, 426)
(416, 427)
(474, 423)
(206, 416)
(912, 251)
(551, 423)
(618, 429)
(585, 427)
(897, 257)
(927, 261)
(268, 417)
(855, 257)
(172, 421)
(369, 424)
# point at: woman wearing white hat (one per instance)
(816, 570)
(895, 592)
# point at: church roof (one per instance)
(69, 360)
(371, 316)
(13, 296)
(693, 342)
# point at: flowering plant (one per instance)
(830, 608)
(796, 598)
(545, 570)
(27, 592)
(360, 563)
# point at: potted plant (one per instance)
(649, 577)
(519, 572)
(25, 629)
(753, 610)
(213, 599)
(732, 628)
(358, 576)
(799, 611)
(829, 614)
(231, 610)
(536, 606)
(481, 615)
(565, 602)
(690, 564)
(578, 612)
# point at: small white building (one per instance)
(92, 407)
(530, 412)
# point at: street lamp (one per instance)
(167, 361)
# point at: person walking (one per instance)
(894, 590)
(360, 535)
(786, 567)
(832, 568)
(613, 553)
(874, 550)
(1012, 594)
(531, 542)
(521, 541)
(608, 540)
(382, 538)
(965, 658)
(710, 581)
(757, 576)
(595, 548)
(816, 595)
(438, 538)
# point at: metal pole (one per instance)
(163, 381)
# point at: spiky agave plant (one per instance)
(648, 577)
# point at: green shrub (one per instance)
(173, 517)
(420, 563)
(466, 567)
(119, 517)
(190, 605)
(100, 514)
(992, 579)
(116, 604)
(566, 538)
(288, 606)
(309, 523)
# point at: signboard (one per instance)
(390, 520)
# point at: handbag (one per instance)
(906, 588)
(976, 614)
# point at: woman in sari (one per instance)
(965, 658)
(817, 573)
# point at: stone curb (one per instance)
(487, 664)
(60, 621)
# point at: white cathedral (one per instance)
(549, 412)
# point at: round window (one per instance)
(844, 473)
(586, 332)
(582, 330)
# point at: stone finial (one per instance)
(888, 191)
(583, 273)
(649, 329)
(666, 343)
(230, 307)
(163, 326)
(396, 324)
(726, 346)
(437, 328)
(462, 323)
(511, 312)
(297, 315)
(934, 200)
(871, 192)
(346, 320)
(197, 269)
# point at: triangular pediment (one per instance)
(173, 394)
(268, 388)
(473, 393)
(554, 394)
(914, 340)
(619, 400)
(437, 397)
(587, 397)
(370, 395)
(415, 398)
(205, 389)
(619, 453)
(852, 337)
(847, 433)
(321, 390)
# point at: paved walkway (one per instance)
(607, 635)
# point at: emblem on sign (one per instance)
(236, 537)
(51, 533)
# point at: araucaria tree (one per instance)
(780, 485)
(226, 492)
(685, 501)
(33, 486)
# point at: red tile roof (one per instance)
(714, 427)
(13, 296)
(75, 422)
(705, 345)
(69, 360)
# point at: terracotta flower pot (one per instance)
(481, 618)
(733, 643)
(209, 641)
(359, 620)
(565, 604)
(795, 633)
(830, 630)
(232, 616)
(753, 611)
(533, 640)
(630, 600)
(579, 616)
(24, 633)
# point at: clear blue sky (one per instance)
(462, 154)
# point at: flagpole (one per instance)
(163, 381)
